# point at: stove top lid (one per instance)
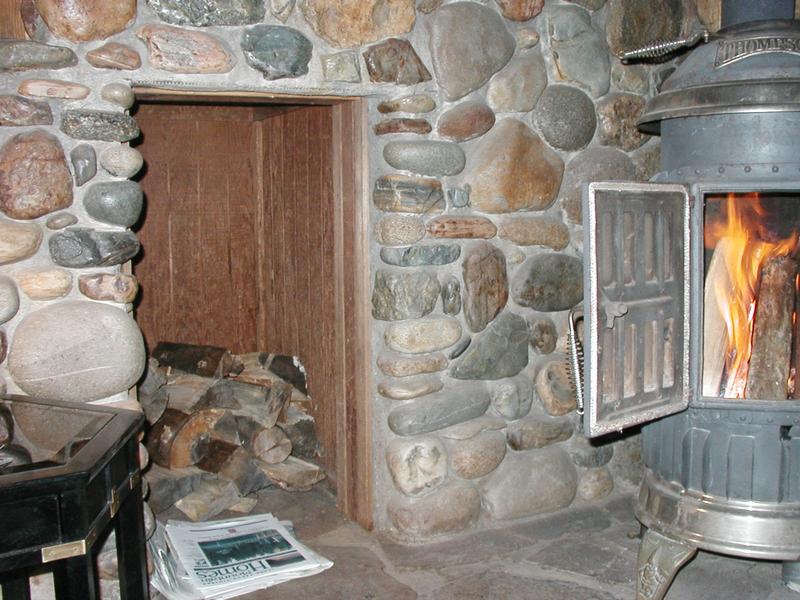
(752, 67)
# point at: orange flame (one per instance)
(741, 234)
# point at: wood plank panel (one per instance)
(10, 20)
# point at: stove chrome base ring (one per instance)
(761, 530)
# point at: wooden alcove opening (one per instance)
(254, 239)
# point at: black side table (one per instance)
(84, 476)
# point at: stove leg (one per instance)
(791, 575)
(659, 560)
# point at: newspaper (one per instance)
(224, 559)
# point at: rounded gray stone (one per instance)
(84, 163)
(500, 351)
(276, 51)
(23, 55)
(579, 49)
(537, 432)
(114, 202)
(9, 299)
(79, 247)
(512, 398)
(202, 13)
(451, 296)
(565, 116)
(406, 295)
(590, 454)
(417, 256)
(120, 94)
(451, 507)
(425, 157)
(549, 282)
(595, 484)
(84, 124)
(543, 335)
(519, 85)
(455, 405)
(592, 164)
(77, 352)
(479, 455)
(121, 161)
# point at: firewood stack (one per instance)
(223, 427)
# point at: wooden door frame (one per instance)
(352, 280)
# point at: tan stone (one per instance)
(53, 88)
(469, 429)
(347, 23)
(420, 103)
(85, 20)
(554, 388)
(461, 227)
(185, 51)
(389, 126)
(114, 56)
(520, 10)
(466, 121)
(399, 230)
(44, 283)
(109, 287)
(416, 465)
(451, 507)
(34, 177)
(513, 169)
(479, 455)
(18, 241)
(422, 336)
(535, 231)
(410, 388)
(397, 365)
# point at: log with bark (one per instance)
(293, 474)
(234, 463)
(209, 499)
(182, 439)
(261, 403)
(770, 359)
(207, 361)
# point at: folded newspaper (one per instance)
(224, 559)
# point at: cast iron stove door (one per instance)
(636, 303)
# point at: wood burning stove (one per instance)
(722, 457)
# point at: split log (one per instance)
(206, 361)
(269, 444)
(169, 486)
(208, 500)
(186, 392)
(154, 405)
(770, 360)
(181, 439)
(235, 464)
(715, 334)
(245, 505)
(260, 368)
(301, 430)
(293, 474)
(260, 403)
(153, 380)
(796, 346)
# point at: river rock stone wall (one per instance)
(485, 117)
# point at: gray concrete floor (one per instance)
(587, 553)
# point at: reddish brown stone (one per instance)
(617, 115)
(420, 103)
(485, 284)
(535, 231)
(86, 20)
(347, 23)
(34, 177)
(466, 121)
(185, 51)
(16, 110)
(104, 286)
(395, 61)
(462, 227)
(114, 56)
(389, 126)
(520, 10)
(53, 88)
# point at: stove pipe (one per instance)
(735, 12)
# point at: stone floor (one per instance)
(582, 554)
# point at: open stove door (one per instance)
(636, 303)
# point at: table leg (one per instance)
(75, 578)
(131, 552)
(15, 587)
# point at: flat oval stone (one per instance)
(341, 66)
(418, 103)
(554, 388)
(518, 86)
(84, 163)
(391, 126)
(469, 429)
(99, 125)
(617, 116)
(478, 455)
(25, 55)
(276, 51)
(34, 177)
(108, 287)
(421, 337)
(17, 111)
(537, 432)
(512, 398)
(461, 227)
(512, 169)
(44, 283)
(485, 284)
(121, 161)
(79, 247)
(18, 241)
(425, 158)
(549, 282)
(468, 43)
(408, 295)
(543, 335)
(455, 405)
(80, 21)
(466, 121)
(499, 352)
(416, 256)
(113, 55)
(344, 23)
(204, 13)
(520, 10)
(114, 202)
(451, 296)
(530, 483)
(76, 352)
(410, 387)
(401, 193)
(120, 94)
(395, 61)
(450, 508)
(9, 299)
(185, 51)
(61, 220)
(398, 365)
(417, 465)
(396, 230)
(53, 88)
(565, 116)
(535, 231)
